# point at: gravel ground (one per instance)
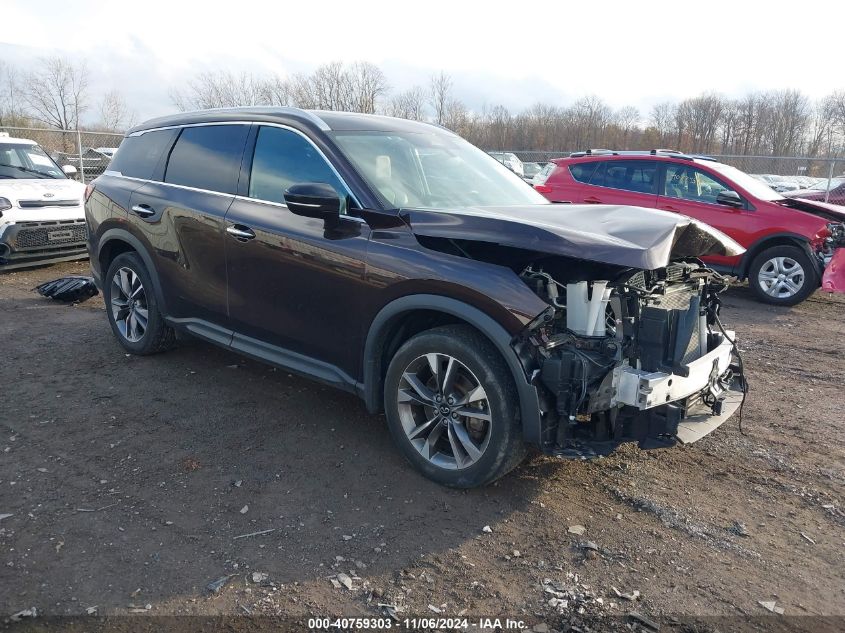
(132, 483)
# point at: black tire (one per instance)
(157, 336)
(502, 447)
(763, 264)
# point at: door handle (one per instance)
(668, 207)
(143, 210)
(592, 200)
(240, 232)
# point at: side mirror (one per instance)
(729, 199)
(313, 200)
(69, 170)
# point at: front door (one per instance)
(691, 191)
(295, 284)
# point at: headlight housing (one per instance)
(5, 204)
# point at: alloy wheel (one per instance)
(781, 277)
(444, 411)
(129, 305)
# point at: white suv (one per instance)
(41, 214)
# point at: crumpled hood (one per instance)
(622, 235)
(826, 210)
(35, 189)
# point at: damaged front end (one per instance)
(635, 356)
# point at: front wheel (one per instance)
(452, 407)
(782, 275)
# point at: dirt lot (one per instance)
(130, 482)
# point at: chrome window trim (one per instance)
(258, 123)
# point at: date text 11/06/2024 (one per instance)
(460, 623)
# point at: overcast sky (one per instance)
(511, 53)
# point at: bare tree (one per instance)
(115, 115)
(367, 86)
(663, 120)
(221, 90)
(57, 92)
(628, 120)
(409, 104)
(440, 94)
(10, 110)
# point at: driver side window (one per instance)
(283, 158)
(688, 183)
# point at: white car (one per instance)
(511, 161)
(42, 219)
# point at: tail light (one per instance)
(543, 188)
(89, 189)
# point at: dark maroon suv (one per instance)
(396, 261)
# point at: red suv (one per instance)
(792, 245)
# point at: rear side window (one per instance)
(207, 157)
(139, 155)
(283, 158)
(628, 175)
(582, 171)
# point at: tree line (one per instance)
(771, 123)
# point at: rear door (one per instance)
(183, 218)
(632, 182)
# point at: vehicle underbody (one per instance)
(635, 356)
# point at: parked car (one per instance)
(511, 161)
(41, 214)
(94, 161)
(530, 170)
(789, 242)
(818, 191)
(396, 261)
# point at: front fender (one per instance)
(372, 386)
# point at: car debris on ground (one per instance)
(71, 289)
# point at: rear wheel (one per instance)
(451, 407)
(782, 275)
(132, 307)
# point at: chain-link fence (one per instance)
(822, 179)
(88, 152)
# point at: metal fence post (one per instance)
(829, 180)
(79, 146)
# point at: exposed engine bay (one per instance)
(633, 355)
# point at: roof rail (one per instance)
(595, 152)
(663, 151)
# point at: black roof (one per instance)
(324, 120)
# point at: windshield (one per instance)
(433, 171)
(21, 160)
(755, 187)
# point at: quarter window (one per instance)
(582, 171)
(207, 157)
(139, 155)
(283, 158)
(688, 183)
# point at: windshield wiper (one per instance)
(30, 171)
